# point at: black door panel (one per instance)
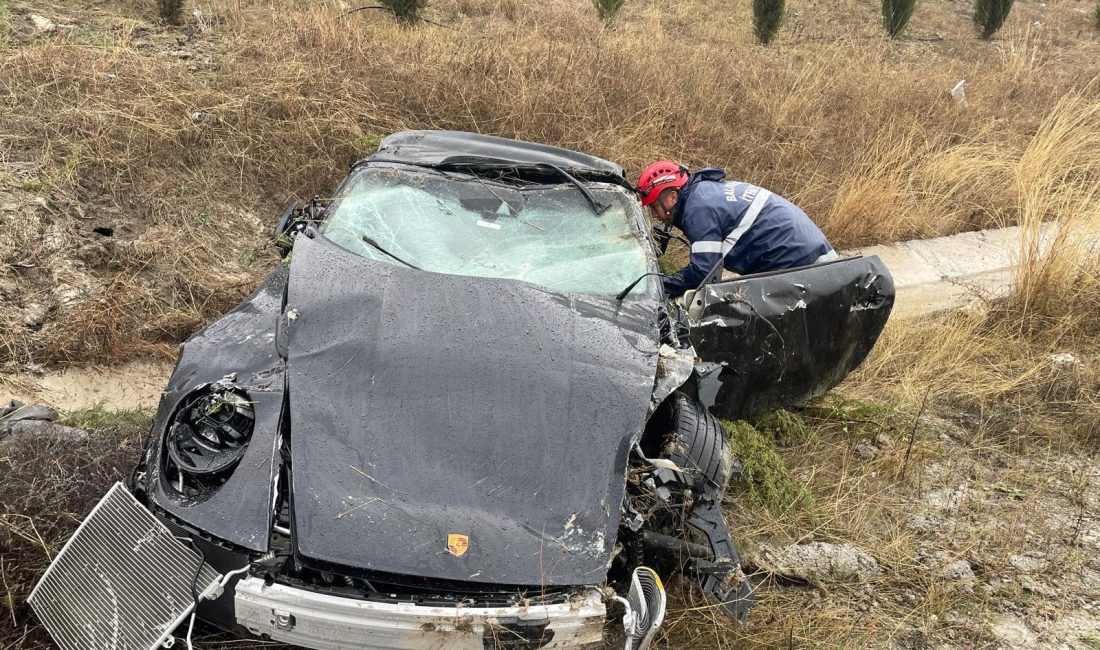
(784, 337)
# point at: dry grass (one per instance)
(857, 128)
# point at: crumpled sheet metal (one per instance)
(428, 405)
(242, 342)
(674, 367)
(785, 337)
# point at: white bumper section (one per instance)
(328, 622)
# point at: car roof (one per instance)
(439, 147)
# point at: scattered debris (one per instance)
(958, 93)
(20, 422)
(16, 411)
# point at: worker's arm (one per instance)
(703, 231)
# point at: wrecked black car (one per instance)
(461, 414)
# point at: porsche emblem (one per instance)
(457, 544)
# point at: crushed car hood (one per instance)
(459, 428)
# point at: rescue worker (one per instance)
(748, 227)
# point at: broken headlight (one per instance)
(206, 438)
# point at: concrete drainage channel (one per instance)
(931, 276)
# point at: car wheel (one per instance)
(698, 444)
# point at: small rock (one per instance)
(95, 253)
(34, 315)
(1030, 584)
(43, 24)
(819, 561)
(1014, 633)
(1064, 361)
(1026, 563)
(201, 117)
(922, 523)
(865, 450)
(960, 570)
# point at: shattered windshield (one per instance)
(548, 235)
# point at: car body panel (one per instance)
(440, 147)
(331, 622)
(784, 337)
(426, 405)
(243, 343)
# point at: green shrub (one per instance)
(765, 478)
(990, 15)
(170, 11)
(767, 17)
(607, 9)
(407, 11)
(896, 15)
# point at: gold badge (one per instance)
(457, 544)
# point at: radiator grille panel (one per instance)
(123, 581)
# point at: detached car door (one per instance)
(776, 339)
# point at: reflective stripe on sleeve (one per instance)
(706, 247)
(746, 221)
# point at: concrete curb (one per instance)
(943, 273)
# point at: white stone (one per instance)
(43, 24)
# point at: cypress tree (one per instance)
(607, 9)
(407, 11)
(767, 16)
(990, 15)
(169, 11)
(896, 15)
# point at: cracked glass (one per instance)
(443, 222)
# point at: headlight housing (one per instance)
(206, 438)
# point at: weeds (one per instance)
(765, 477)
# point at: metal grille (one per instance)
(122, 582)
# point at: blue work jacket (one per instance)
(753, 229)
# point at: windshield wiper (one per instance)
(630, 287)
(375, 245)
(597, 206)
(592, 200)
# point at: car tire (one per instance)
(697, 443)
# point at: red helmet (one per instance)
(660, 176)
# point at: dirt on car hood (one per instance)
(459, 428)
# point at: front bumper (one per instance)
(321, 621)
